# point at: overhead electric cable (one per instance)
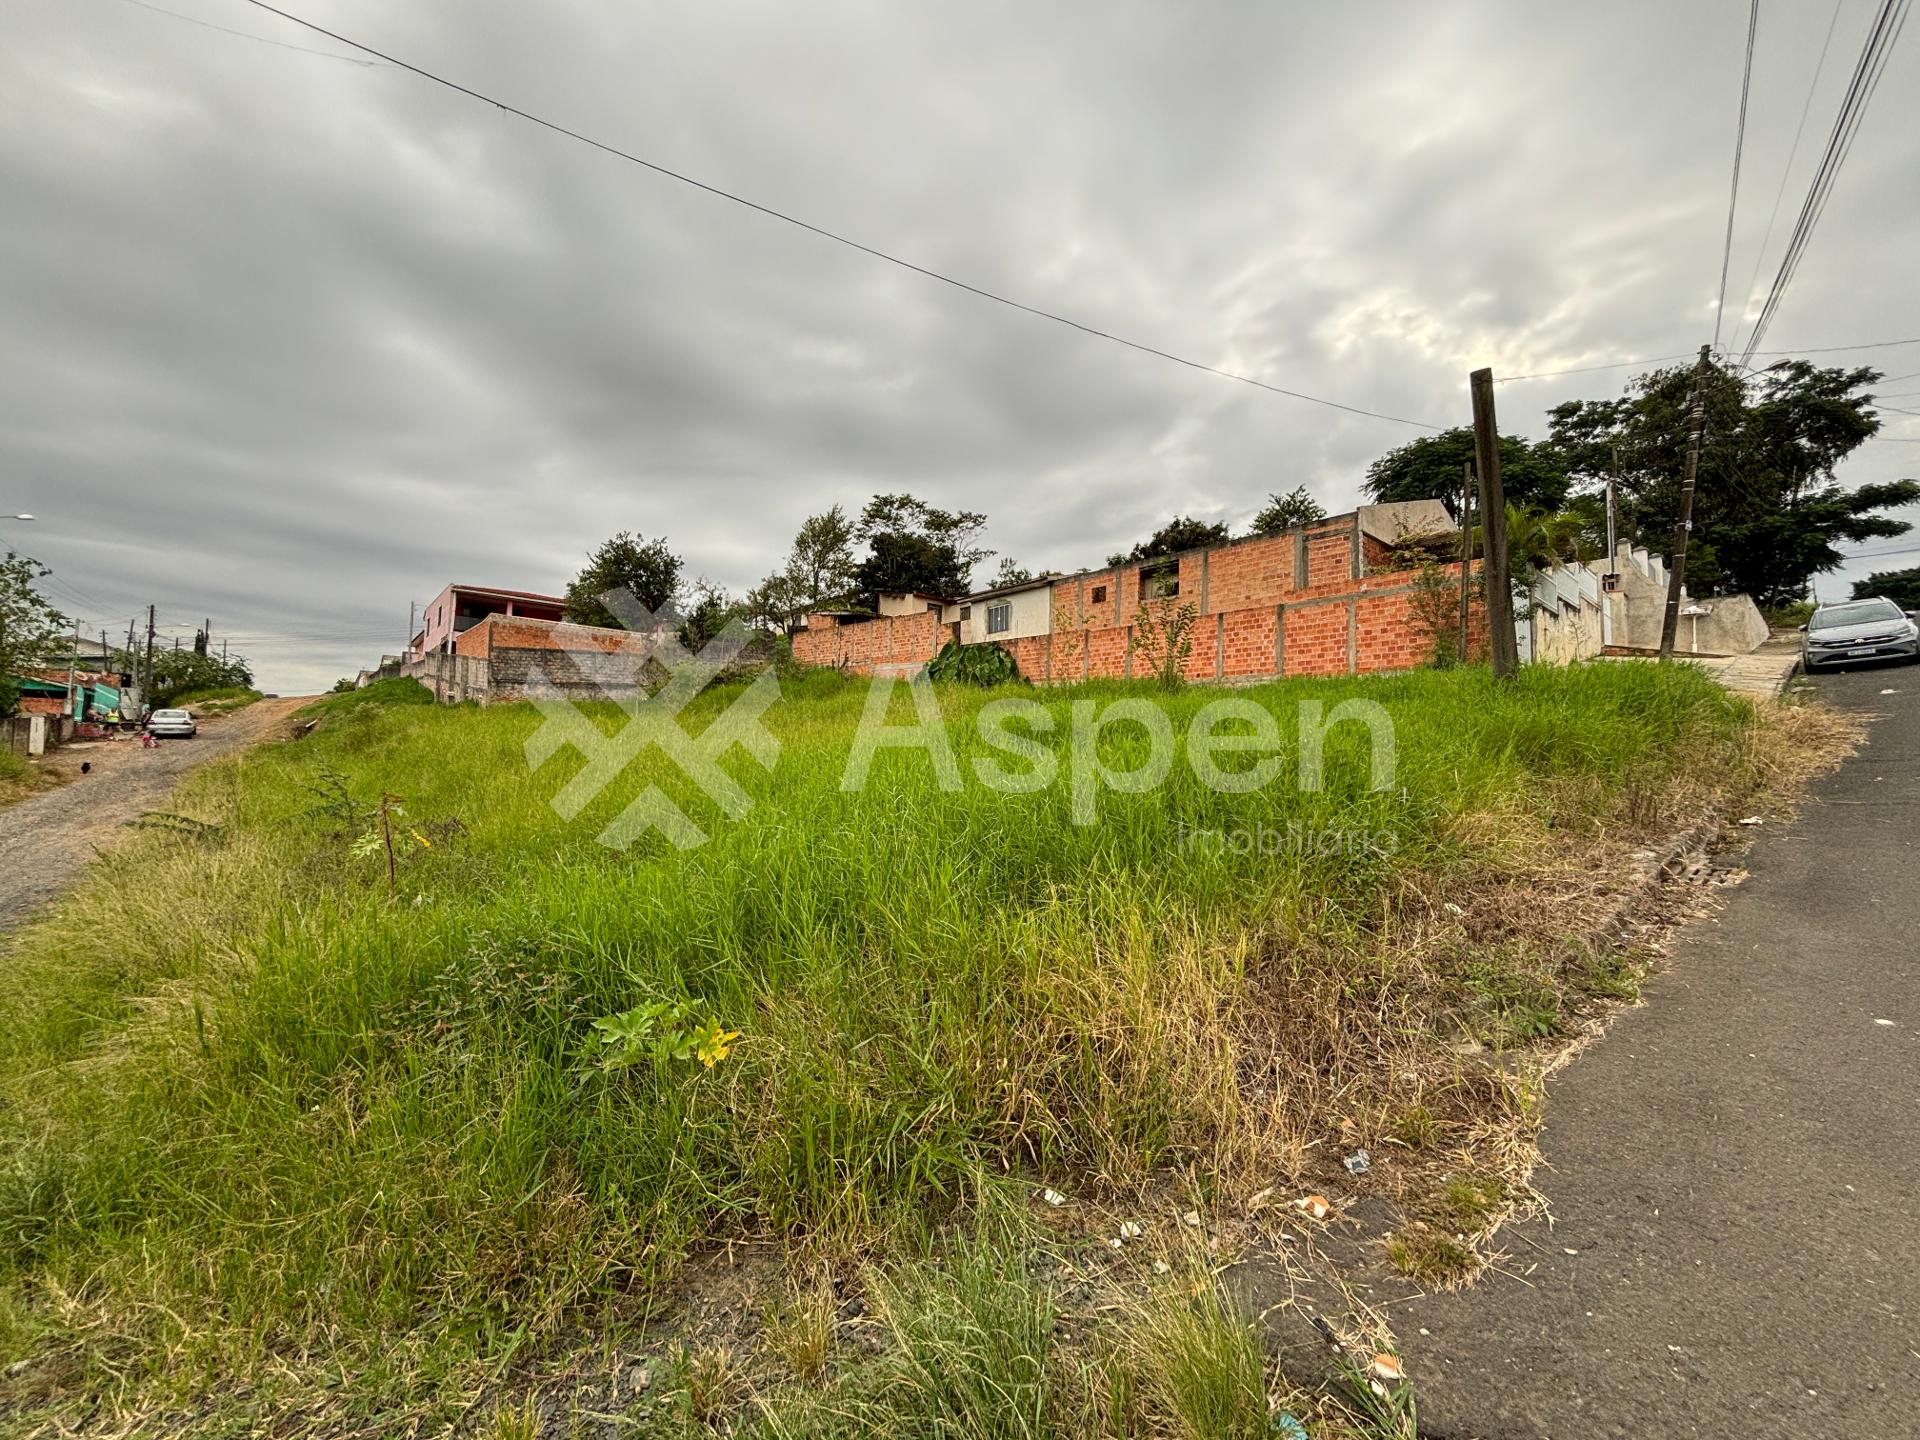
(1739, 146)
(832, 235)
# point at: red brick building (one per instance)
(1322, 599)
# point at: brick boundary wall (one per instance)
(1314, 601)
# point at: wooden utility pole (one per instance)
(1501, 644)
(1683, 526)
(1613, 540)
(1466, 560)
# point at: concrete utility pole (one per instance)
(1502, 645)
(1683, 526)
(1466, 558)
(146, 691)
(73, 663)
(406, 650)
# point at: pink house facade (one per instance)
(458, 608)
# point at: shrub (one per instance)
(984, 665)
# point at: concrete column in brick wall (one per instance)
(1129, 669)
(1299, 559)
(1049, 659)
(1359, 558)
(1204, 568)
(1280, 640)
(1353, 637)
(1220, 645)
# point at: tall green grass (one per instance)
(259, 1103)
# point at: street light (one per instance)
(19, 517)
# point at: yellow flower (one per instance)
(716, 1044)
(425, 844)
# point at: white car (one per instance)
(172, 724)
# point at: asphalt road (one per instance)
(45, 840)
(1735, 1168)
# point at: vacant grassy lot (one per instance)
(269, 1116)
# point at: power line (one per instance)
(1689, 354)
(262, 39)
(827, 234)
(1590, 369)
(1786, 174)
(1830, 349)
(1886, 29)
(1739, 145)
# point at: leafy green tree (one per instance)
(1900, 586)
(1767, 512)
(710, 609)
(1533, 477)
(914, 546)
(1284, 512)
(819, 574)
(1010, 574)
(631, 562)
(1179, 534)
(30, 628)
(1538, 540)
(177, 672)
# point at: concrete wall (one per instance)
(1727, 624)
(1566, 616)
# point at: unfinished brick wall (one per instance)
(1314, 601)
(892, 644)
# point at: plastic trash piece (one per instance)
(1053, 1198)
(1288, 1428)
(1359, 1162)
(1314, 1205)
(1192, 1219)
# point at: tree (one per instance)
(30, 628)
(1433, 468)
(1538, 540)
(178, 672)
(914, 546)
(1010, 574)
(819, 574)
(1900, 586)
(1767, 512)
(822, 565)
(709, 611)
(1179, 534)
(1284, 512)
(646, 568)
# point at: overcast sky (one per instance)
(290, 341)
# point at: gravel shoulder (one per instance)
(1734, 1249)
(46, 839)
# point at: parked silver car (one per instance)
(1875, 629)
(172, 724)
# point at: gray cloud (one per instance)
(292, 342)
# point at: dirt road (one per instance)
(46, 839)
